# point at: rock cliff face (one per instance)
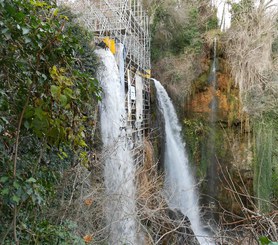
(185, 234)
(220, 149)
(218, 137)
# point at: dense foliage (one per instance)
(175, 34)
(48, 97)
(181, 34)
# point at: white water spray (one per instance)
(213, 82)
(179, 183)
(119, 170)
(212, 163)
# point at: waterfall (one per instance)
(212, 175)
(120, 59)
(119, 169)
(213, 82)
(180, 186)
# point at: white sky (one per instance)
(223, 8)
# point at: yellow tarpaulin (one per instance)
(110, 44)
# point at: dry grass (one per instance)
(176, 73)
(249, 52)
(248, 225)
(82, 200)
(159, 224)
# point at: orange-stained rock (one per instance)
(88, 238)
(200, 102)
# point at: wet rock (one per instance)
(183, 235)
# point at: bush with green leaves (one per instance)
(189, 35)
(176, 36)
(48, 95)
(265, 241)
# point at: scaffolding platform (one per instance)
(124, 22)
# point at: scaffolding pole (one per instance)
(126, 22)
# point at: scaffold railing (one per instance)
(123, 20)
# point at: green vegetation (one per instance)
(241, 9)
(265, 161)
(201, 83)
(265, 241)
(47, 100)
(194, 131)
(181, 33)
(190, 35)
(174, 34)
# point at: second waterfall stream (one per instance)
(180, 186)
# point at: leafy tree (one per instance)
(241, 9)
(48, 95)
(179, 28)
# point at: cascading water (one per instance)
(213, 82)
(119, 169)
(180, 186)
(211, 151)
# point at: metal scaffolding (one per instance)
(125, 22)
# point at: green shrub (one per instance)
(48, 95)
